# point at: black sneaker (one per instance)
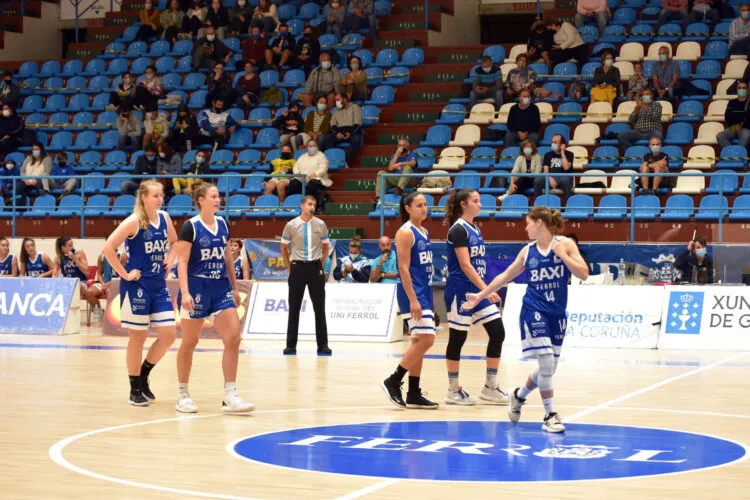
(146, 390)
(419, 402)
(137, 399)
(290, 351)
(393, 390)
(325, 351)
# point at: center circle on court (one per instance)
(488, 451)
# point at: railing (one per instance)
(634, 182)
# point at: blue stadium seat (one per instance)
(107, 141)
(105, 121)
(494, 52)
(166, 64)
(52, 85)
(269, 78)
(171, 81)
(624, 16)
(28, 86)
(60, 141)
(552, 201)
(97, 84)
(712, 207)
(264, 207)
(553, 87)
(78, 102)
(228, 183)
(689, 108)
(382, 8)
(180, 205)
(568, 107)
(397, 76)
(137, 49)
(412, 57)
(588, 70)
(674, 153)
(197, 99)
(680, 133)
(267, 138)
(646, 207)
(452, 114)
(84, 141)
(514, 206)
(678, 207)
(721, 32)
(370, 115)
(96, 206)
(438, 136)
(247, 161)
(336, 159)
(611, 207)
(508, 158)
(113, 50)
(387, 205)
(328, 41)
(100, 102)
(467, 182)
(482, 158)
(27, 69)
(696, 32)
(114, 161)
(242, 138)
(159, 48)
(89, 161)
(741, 208)
(488, 202)
(564, 72)
(490, 178)
(308, 11)
(222, 159)
(669, 32)
(641, 33)
(74, 67)
(614, 33)
(425, 158)
(31, 104)
(123, 205)
(70, 205)
(723, 183)
(181, 48)
(351, 42)
(292, 79)
(237, 205)
(716, 50)
(290, 208)
(633, 157)
(590, 33)
(139, 65)
(286, 12)
(117, 66)
(365, 57)
(49, 68)
(556, 129)
(259, 118)
(579, 207)
(386, 58)
(707, 69)
(43, 206)
(252, 185)
(374, 76)
(55, 122)
(733, 158)
(604, 158)
(35, 121)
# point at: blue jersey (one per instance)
(547, 290)
(420, 267)
(36, 267)
(238, 268)
(107, 271)
(463, 234)
(6, 266)
(148, 249)
(207, 255)
(70, 269)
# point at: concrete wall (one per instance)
(460, 29)
(41, 38)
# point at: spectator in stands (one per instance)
(609, 74)
(247, 88)
(354, 81)
(265, 17)
(603, 92)
(128, 128)
(150, 90)
(637, 82)
(403, 161)
(64, 174)
(673, 10)
(145, 164)
(593, 11)
(524, 120)
(38, 164)
(9, 171)
(540, 43)
(290, 125)
(558, 161)
(384, 266)
(653, 162)
(704, 11)
(666, 77)
(167, 163)
(220, 85)
(737, 119)
(281, 166)
(317, 123)
(739, 41)
(239, 18)
(198, 167)
(280, 51)
(11, 130)
(488, 84)
(346, 125)
(184, 130)
(335, 13)
(312, 168)
(171, 21)
(361, 15)
(528, 162)
(194, 20)
(694, 263)
(208, 51)
(519, 78)
(10, 93)
(155, 126)
(568, 43)
(125, 91)
(645, 120)
(322, 82)
(216, 125)
(254, 48)
(218, 17)
(149, 18)
(308, 51)
(354, 267)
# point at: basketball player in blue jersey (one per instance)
(467, 269)
(414, 294)
(72, 263)
(241, 265)
(550, 259)
(33, 264)
(8, 262)
(149, 238)
(208, 287)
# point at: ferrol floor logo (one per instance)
(488, 451)
(685, 312)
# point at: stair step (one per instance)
(390, 133)
(348, 208)
(402, 22)
(344, 233)
(359, 184)
(395, 44)
(419, 9)
(380, 162)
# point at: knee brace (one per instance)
(496, 332)
(546, 370)
(456, 339)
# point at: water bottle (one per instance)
(621, 272)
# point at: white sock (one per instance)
(182, 391)
(230, 388)
(523, 391)
(453, 381)
(547, 406)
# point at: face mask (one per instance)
(126, 80)
(646, 99)
(149, 76)
(335, 5)
(241, 3)
(210, 38)
(321, 106)
(740, 92)
(6, 113)
(256, 36)
(312, 150)
(36, 153)
(150, 158)
(148, 115)
(325, 65)
(405, 151)
(9, 166)
(62, 163)
(162, 155)
(339, 104)
(526, 101)
(486, 69)
(527, 151)
(353, 256)
(199, 160)
(655, 149)
(700, 252)
(662, 57)
(308, 35)
(219, 109)
(745, 14)
(555, 147)
(284, 34)
(355, 66)
(286, 156)
(608, 62)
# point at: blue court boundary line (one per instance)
(9, 345)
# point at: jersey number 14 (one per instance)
(550, 295)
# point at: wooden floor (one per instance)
(68, 432)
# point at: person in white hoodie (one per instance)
(568, 43)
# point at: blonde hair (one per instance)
(140, 209)
(553, 219)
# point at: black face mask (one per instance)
(308, 35)
(218, 109)
(62, 163)
(286, 156)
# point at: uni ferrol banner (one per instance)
(35, 305)
(112, 325)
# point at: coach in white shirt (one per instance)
(312, 167)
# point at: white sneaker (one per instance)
(516, 403)
(495, 396)
(459, 397)
(236, 406)
(186, 405)
(552, 423)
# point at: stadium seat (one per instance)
(70, 205)
(552, 201)
(371, 115)
(604, 158)
(633, 157)
(336, 159)
(252, 185)
(242, 138)
(516, 51)
(703, 85)
(721, 32)
(514, 206)
(579, 207)
(624, 16)
(712, 207)
(290, 208)
(466, 136)
(180, 205)
(641, 33)
(669, 32)
(707, 133)
(741, 208)
(496, 53)
(611, 207)
(632, 52)
(701, 157)
(122, 206)
(197, 99)
(723, 183)
(722, 89)
(114, 161)
(267, 138)
(693, 108)
(564, 72)
(614, 33)
(166, 64)
(237, 205)
(482, 158)
(27, 69)
(732, 157)
(43, 206)
(674, 153)
(425, 158)
(679, 134)
(466, 181)
(598, 112)
(228, 183)
(222, 159)
(707, 69)
(678, 207)
(412, 57)
(397, 76)
(580, 156)
(503, 113)
(387, 207)
(451, 158)
(100, 102)
(555, 129)
(716, 50)
(507, 158)
(385, 58)
(89, 161)
(590, 178)
(688, 51)
(735, 68)
(92, 183)
(96, 206)
(375, 76)
(438, 136)
(646, 207)
(84, 141)
(60, 141)
(621, 182)
(745, 188)
(107, 141)
(585, 134)
(264, 207)
(382, 95)
(568, 112)
(49, 68)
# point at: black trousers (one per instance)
(310, 275)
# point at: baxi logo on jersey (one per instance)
(488, 451)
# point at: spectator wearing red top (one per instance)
(254, 48)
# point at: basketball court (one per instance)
(641, 423)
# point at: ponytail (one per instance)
(553, 219)
(140, 208)
(59, 243)
(200, 189)
(453, 208)
(406, 201)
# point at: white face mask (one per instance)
(148, 115)
(486, 69)
(527, 151)
(312, 150)
(9, 166)
(210, 38)
(6, 113)
(355, 66)
(555, 147)
(339, 104)
(321, 106)
(335, 5)
(241, 3)
(199, 160)
(325, 65)
(526, 101)
(36, 153)
(162, 155)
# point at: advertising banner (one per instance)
(708, 317)
(354, 311)
(599, 316)
(112, 325)
(36, 305)
(265, 259)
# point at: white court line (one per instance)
(384, 484)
